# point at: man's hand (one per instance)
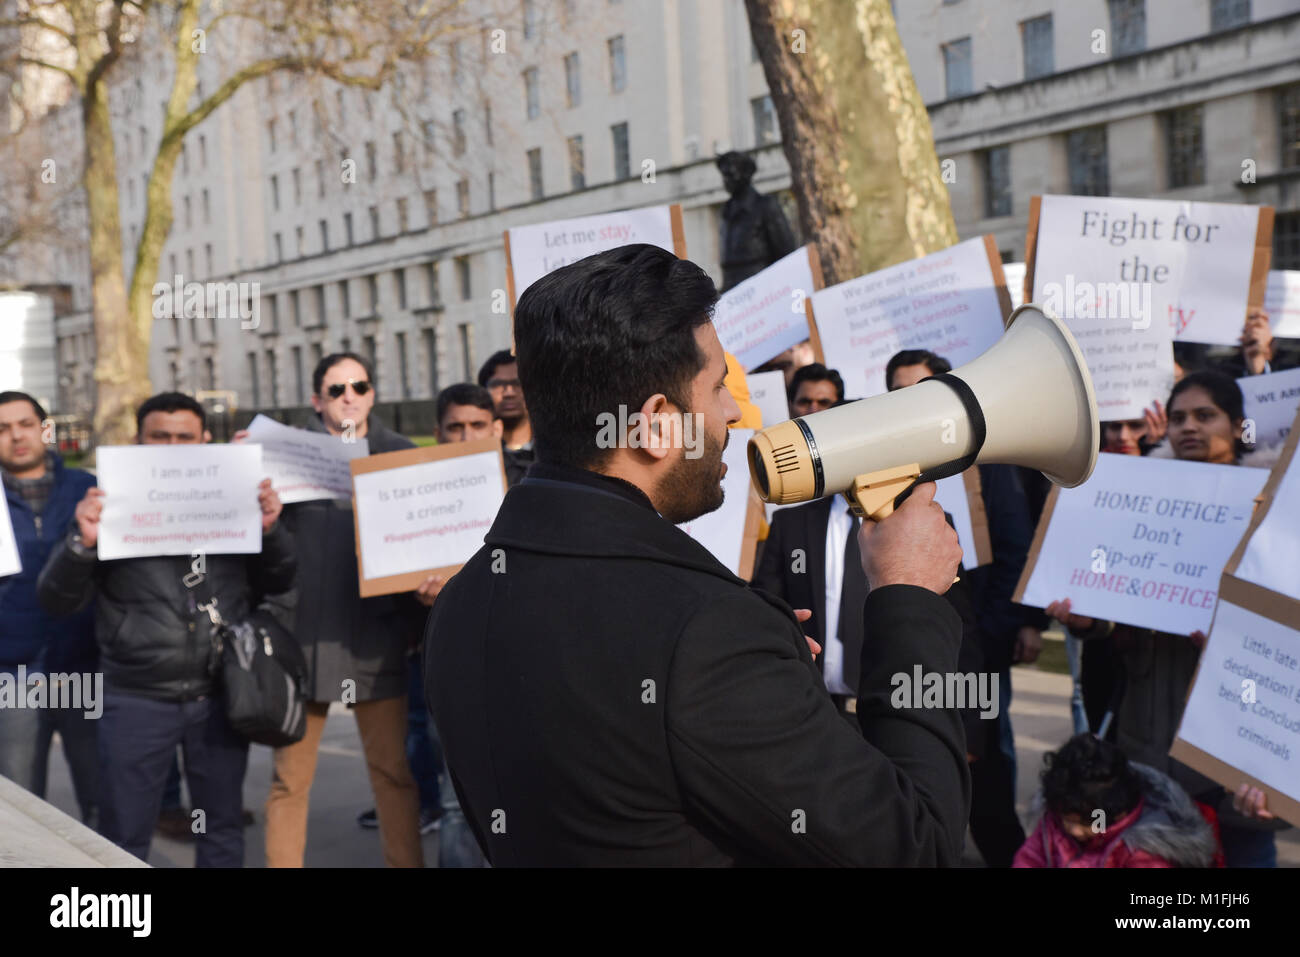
(87, 515)
(803, 614)
(1256, 341)
(270, 503)
(429, 590)
(1029, 642)
(1060, 610)
(1252, 802)
(913, 546)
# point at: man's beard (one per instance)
(693, 487)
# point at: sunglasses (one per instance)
(338, 388)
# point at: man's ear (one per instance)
(207, 436)
(655, 438)
(315, 401)
(498, 428)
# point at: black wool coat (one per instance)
(607, 693)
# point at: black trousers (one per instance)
(994, 824)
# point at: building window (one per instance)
(399, 153)
(270, 133)
(1089, 167)
(997, 181)
(295, 308)
(431, 206)
(572, 81)
(207, 256)
(430, 337)
(319, 294)
(207, 209)
(765, 130)
(209, 374)
(1226, 14)
(956, 68)
(324, 235)
(189, 218)
(1286, 241)
(274, 303)
(372, 286)
(370, 349)
(374, 222)
(372, 161)
(487, 122)
(530, 19)
(253, 380)
(535, 173)
(1036, 40)
(1184, 147)
(399, 280)
(275, 192)
(1288, 125)
(298, 238)
(466, 357)
(345, 300)
(431, 282)
(203, 152)
(622, 156)
(403, 215)
(299, 390)
(1128, 26)
(297, 187)
(189, 262)
(532, 96)
(462, 198)
(458, 132)
(426, 134)
(617, 65)
(347, 227)
(577, 170)
(293, 127)
(402, 375)
(320, 179)
(463, 277)
(272, 380)
(492, 190)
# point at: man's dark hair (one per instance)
(1224, 392)
(464, 393)
(915, 357)
(742, 162)
(13, 396)
(608, 330)
(501, 358)
(170, 402)
(333, 359)
(815, 372)
(1088, 774)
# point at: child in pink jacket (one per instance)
(1101, 810)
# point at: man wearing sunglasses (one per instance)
(356, 648)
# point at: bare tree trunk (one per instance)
(855, 132)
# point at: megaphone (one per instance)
(1028, 401)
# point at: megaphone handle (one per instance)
(871, 496)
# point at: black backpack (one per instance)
(263, 676)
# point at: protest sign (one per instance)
(533, 251)
(305, 466)
(1142, 542)
(421, 512)
(1128, 276)
(1269, 553)
(10, 562)
(1242, 718)
(960, 496)
(179, 500)
(1015, 275)
(767, 391)
(731, 532)
(767, 313)
(1270, 404)
(1282, 302)
(953, 303)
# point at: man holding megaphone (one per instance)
(608, 693)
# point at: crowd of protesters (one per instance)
(138, 622)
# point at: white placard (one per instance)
(945, 302)
(10, 562)
(428, 515)
(305, 466)
(1173, 266)
(1282, 302)
(1144, 541)
(723, 531)
(1270, 403)
(765, 314)
(950, 493)
(1015, 275)
(1272, 556)
(179, 500)
(544, 247)
(767, 391)
(1245, 706)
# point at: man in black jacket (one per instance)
(154, 646)
(607, 692)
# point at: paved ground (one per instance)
(1039, 711)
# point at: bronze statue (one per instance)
(755, 233)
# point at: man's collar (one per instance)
(552, 472)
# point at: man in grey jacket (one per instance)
(355, 647)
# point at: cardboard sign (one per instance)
(1269, 554)
(421, 512)
(533, 251)
(766, 315)
(731, 532)
(305, 466)
(953, 303)
(1282, 302)
(1270, 404)
(962, 498)
(767, 391)
(10, 562)
(1142, 542)
(1015, 273)
(179, 500)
